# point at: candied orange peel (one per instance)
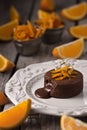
(48, 20)
(63, 73)
(27, 32)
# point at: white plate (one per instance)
(25, 81)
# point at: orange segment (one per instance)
(3, 99)
(14, 14)
(72, 49)
(79, 31)
(43, 14)
(48, 5)
(70, 123)
(75, 12)
(15, 115)
(5, 64)
(6, 30)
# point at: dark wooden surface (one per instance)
(28, 10)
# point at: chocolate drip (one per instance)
(42, 93)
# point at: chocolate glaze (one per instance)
(44, 92)
(65, 88)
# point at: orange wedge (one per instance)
(15, 115)
(6, 30)
(43, 14)
(79, 31)
(3, 99)
(48, 5)
(72, 49)
(75, 12)
(71, 123)
(5, 64)
(14, 14)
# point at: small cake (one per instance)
(63, 82)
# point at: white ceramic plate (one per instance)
(25, 81)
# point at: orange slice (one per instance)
(43, 14)
(5, 64)
(3, 99)
(48, 5)
(71, 123)
(79, 31)
(6, 30)
(75, 12)
(14, 14)
(15, 115)
(72, 49)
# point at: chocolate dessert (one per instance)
(61, 83)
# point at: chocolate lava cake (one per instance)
(61, 83)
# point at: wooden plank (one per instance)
(50, 122)
(31, 123)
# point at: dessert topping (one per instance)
(27, 32)
(63, 73)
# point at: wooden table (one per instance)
(28, 10)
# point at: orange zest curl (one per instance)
(21, 32)
(27, 32)
(63, 73)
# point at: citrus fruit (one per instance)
(72, 49)
(48, 5)
(5, 64)
(75, 12)
(71, 123)
(43, 14)
(79, 31)
(6, 30)
(14, 14)
(15, 115)
(3, 99)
